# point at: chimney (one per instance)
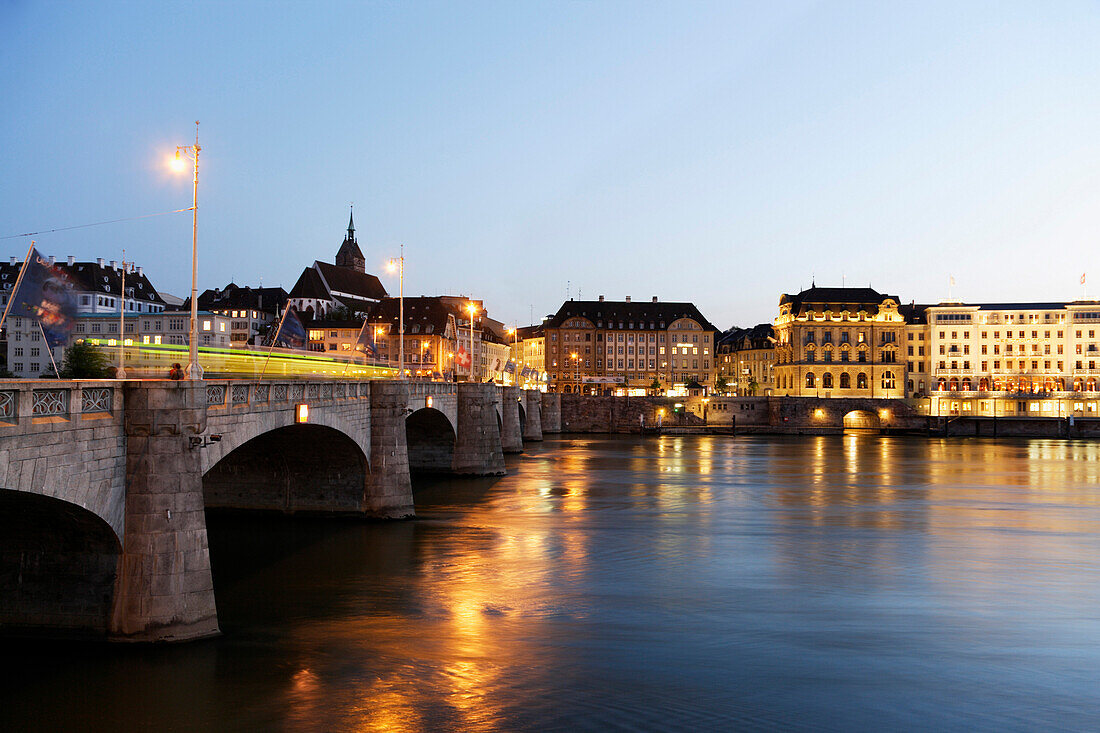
(141, 271)
(654, 298)
(12, 260)
(628, 299)
(114, 264)
(601, 298)
(99, 261)
(72, 260)
(51, 260)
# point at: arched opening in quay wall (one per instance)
(862, 420)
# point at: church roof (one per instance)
(310, 285)
(344, 280)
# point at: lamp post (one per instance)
(399, 265)
(120, 373)
(576, 373)
(471, 309)
(514, 333)
(194, 371)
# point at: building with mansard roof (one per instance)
(323, 287)
(601, 346)
(839, 342)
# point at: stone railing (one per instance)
(435, 389)
(54, 400)
(221, 393)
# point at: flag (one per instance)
(952, 280)
(46, 294)
(510, 367)
(462, 358)
(1082, 278)
(291, 333)
(365, 341)
(496, 366)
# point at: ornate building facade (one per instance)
(839, 342)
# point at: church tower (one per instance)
(349, 254)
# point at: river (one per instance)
(616, 583)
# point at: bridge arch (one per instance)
(295, 468)
(58, 563)
(430, 439)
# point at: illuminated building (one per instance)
(839, 342)
(433, 330)
(601, 346)
(253, 310)
(531, 354)
(98, 287)
(1014, 359)
(745, 357)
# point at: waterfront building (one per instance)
(173, 327)
(745, 360)
(323, 287)
(532, 355)
(1014, 359)
(839, 342)
(334, 337)
(98, 287)
(434, 328)
(253, 310)
(600, 346)
(917, 350)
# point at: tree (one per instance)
(721, 385)
(753, 385)
(655, 388)
(84, 361)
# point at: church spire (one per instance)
(351, 225)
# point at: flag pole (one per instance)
(49, 350)
(19, 279)
(273, 340)
(357, 340)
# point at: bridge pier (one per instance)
(551, 411)
(511, 439)
(163, 590)
(478, 448)
(389, 488)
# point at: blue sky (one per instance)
(717, 152)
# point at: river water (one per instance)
(674, 583)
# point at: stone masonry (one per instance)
(511, 439)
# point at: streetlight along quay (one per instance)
(194, 371)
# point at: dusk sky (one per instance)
(721, 153)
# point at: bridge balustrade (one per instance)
(52, 400)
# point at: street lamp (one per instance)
(513, 332)
(576, 372)
(399, 265)
(194, 371)
(472, 309)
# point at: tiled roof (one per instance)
(269, 300)
(346, 280)
(641, 313)
(94, 278)
(309, 285)
(420, 311)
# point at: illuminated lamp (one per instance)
(428, 401)
(301, 412)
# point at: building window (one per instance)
(827, 380)
(888, 381)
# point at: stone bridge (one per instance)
(104, 484)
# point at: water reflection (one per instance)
(672, 583)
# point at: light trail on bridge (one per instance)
(156, 360)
